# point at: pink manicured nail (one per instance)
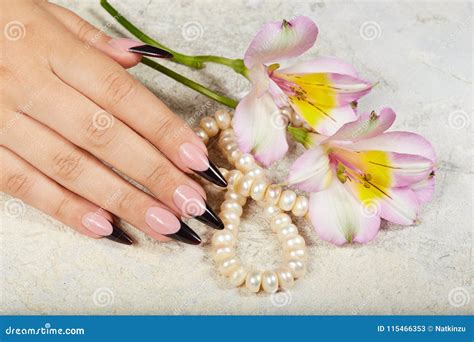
(123, 44)
(97, 224)
(193, 157)
(162, 221)
(189, 201)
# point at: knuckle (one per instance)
(164, 127)
(119, 86)
(156, 176)
(61, 207)
(127, 202)
(98, 129)
(68, 165)
(19, 184)
(84, 29)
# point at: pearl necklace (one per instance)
(247, 181)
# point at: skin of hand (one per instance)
(69, 105)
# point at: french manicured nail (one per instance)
(118, 235)
(123, 44)
(97, 224)
(151, 51)
(191, 204)
(165, 223)
(195, 159)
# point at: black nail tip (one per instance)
(186, 235)
(213, 175)
(210, 218)
(118, 235)
(151, 51)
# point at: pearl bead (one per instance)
(232, 195)
(237, 277)
(227, 266)
(253, 281)
(232, 227)
(244, 185)
(234, 154)
(297, 267)
(272, 210)
(232, 206)
(203, 135)
(279, 221)
(223, 119)
(224, 172)
(269, 281)
(307, 126)
(301, 206)
(209, 125)
(233, 177)
(256, 172)
(285, 278)
(223, 238)
(296, 120)
(298, 254)
(294, 242)
(228, 216)
(257, 192)
(222, 253)
(286, 232)
(227, 133)
(245, 163)
(287, 200)
(229, 146)
(226, 141)
(273, 194)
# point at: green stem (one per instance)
(196, 62)
(190, 83)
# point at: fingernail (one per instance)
(151, 51)
(123, 44)
(195, 159)
(118, 235)
(165, 223)
(97, 224)
(191, 204)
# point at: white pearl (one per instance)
(232, 195)
(224, 172)
(237, 277)
(294, 242)
(245, 163)
(285, 232)
(301, 206)
(287, 200)
(257, 192)
(286, 111)
(297, 267)
(209, 125)
(234, 154)
(226, 141)
(273, 194)
(222, 118)
(227, 133)
(222, 253)
(269, 281)
(227, 266)
(223, 238)
(244, 185)
(228, 216)
(202, 134)
(298, 254)
(253, 281)
(232, 206)
(232, 227)
(272, 210)
(296, 120)
(279, 221)
(232, 179)
(285, 278)
(256, 172)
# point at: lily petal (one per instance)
(259, 129)
(338, 218)
(400, 142)
(280, 40)
(368, 125)
(322, 65)
(311, 171)
(424, 190)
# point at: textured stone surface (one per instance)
(421, 55)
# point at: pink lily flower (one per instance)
(362, 174)
(319, 91)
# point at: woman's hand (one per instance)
(67, 105)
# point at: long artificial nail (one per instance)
(123, 44)
(151, 51)
(191, 204)
(118, 235)
(97, 224)
(165, 223)
(195, 159)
